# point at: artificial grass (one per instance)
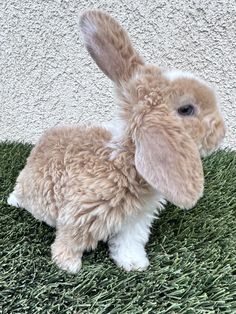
(192, 255)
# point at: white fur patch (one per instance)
(12, 200)
(127, 248)
(117, 128)
(173, 75)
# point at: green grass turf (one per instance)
(192, 255)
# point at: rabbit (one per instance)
(100, 183)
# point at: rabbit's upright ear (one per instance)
(109, 45)
(168, 159)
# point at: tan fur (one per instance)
(88, 183)
(101, 30)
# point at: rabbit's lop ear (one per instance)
(168, 159)
(109, 45)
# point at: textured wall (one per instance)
(46, 76)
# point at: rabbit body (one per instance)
(72, 183)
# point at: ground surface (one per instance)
(192, 255)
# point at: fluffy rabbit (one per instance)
(93, 184)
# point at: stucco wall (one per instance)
(47, 77)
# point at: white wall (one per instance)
(47, 77)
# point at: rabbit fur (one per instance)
(93, 184)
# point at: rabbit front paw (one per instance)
(66, 259)
(131, 259)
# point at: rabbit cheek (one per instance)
(195, 129)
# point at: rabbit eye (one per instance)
(186, 110)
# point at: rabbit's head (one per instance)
(171, 116)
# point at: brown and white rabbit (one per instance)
(93, 184)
